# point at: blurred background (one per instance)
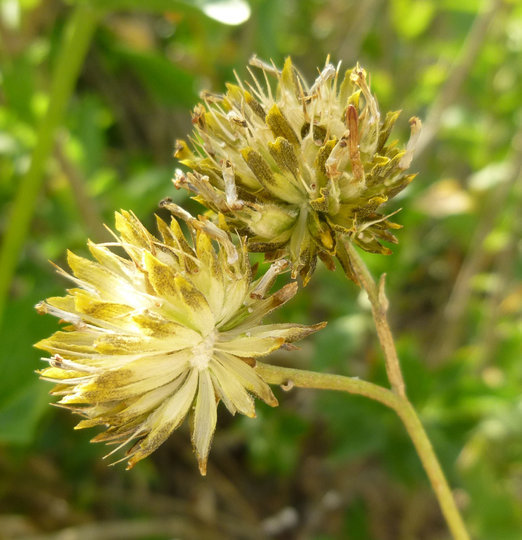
(91, 102)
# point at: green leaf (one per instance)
(23, 397)
(19, 417)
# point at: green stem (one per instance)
(76, 41)
(310, 379)
(405, 410)
(433, 469)
(326, 381)
(379, 305)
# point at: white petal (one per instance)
(233, 389)
(205, 418)
(166, 419)
(248, 377)
(136, 378)
(247, 346)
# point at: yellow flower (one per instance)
(170, 329)
(298, 168)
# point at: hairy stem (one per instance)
(309, 379)
(72, 53)
(379, 305)
(326, 381)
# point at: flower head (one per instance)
(174, 327)
(298, 169)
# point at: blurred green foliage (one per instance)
(343, 465)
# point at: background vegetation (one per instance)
(321, 466)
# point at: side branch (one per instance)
(405, 411)
(326, 381)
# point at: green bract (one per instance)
(299, 168)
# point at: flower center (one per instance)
(202, 352)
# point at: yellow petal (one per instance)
(64, 376)
(276, 183)
(132, 231)
(94, 276)
(253, 313)
(151, 400)
(210, 278)
(135, 378)
(115, 263)
(195, 305)
(272, 221)
(112, 312)
(236, 291)
(116, 344)
(75, 343)
(174, 336)
(289, 332)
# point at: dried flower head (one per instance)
(299, 168)
(171, 328)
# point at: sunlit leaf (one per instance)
(230, 12)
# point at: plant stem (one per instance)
(72, 53)
(395, 398)
(379, 305)
(431, 465)
(400, 404)
(405, 409)
(326, 381)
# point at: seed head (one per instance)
(298, 169)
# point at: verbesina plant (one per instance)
(297, 172)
